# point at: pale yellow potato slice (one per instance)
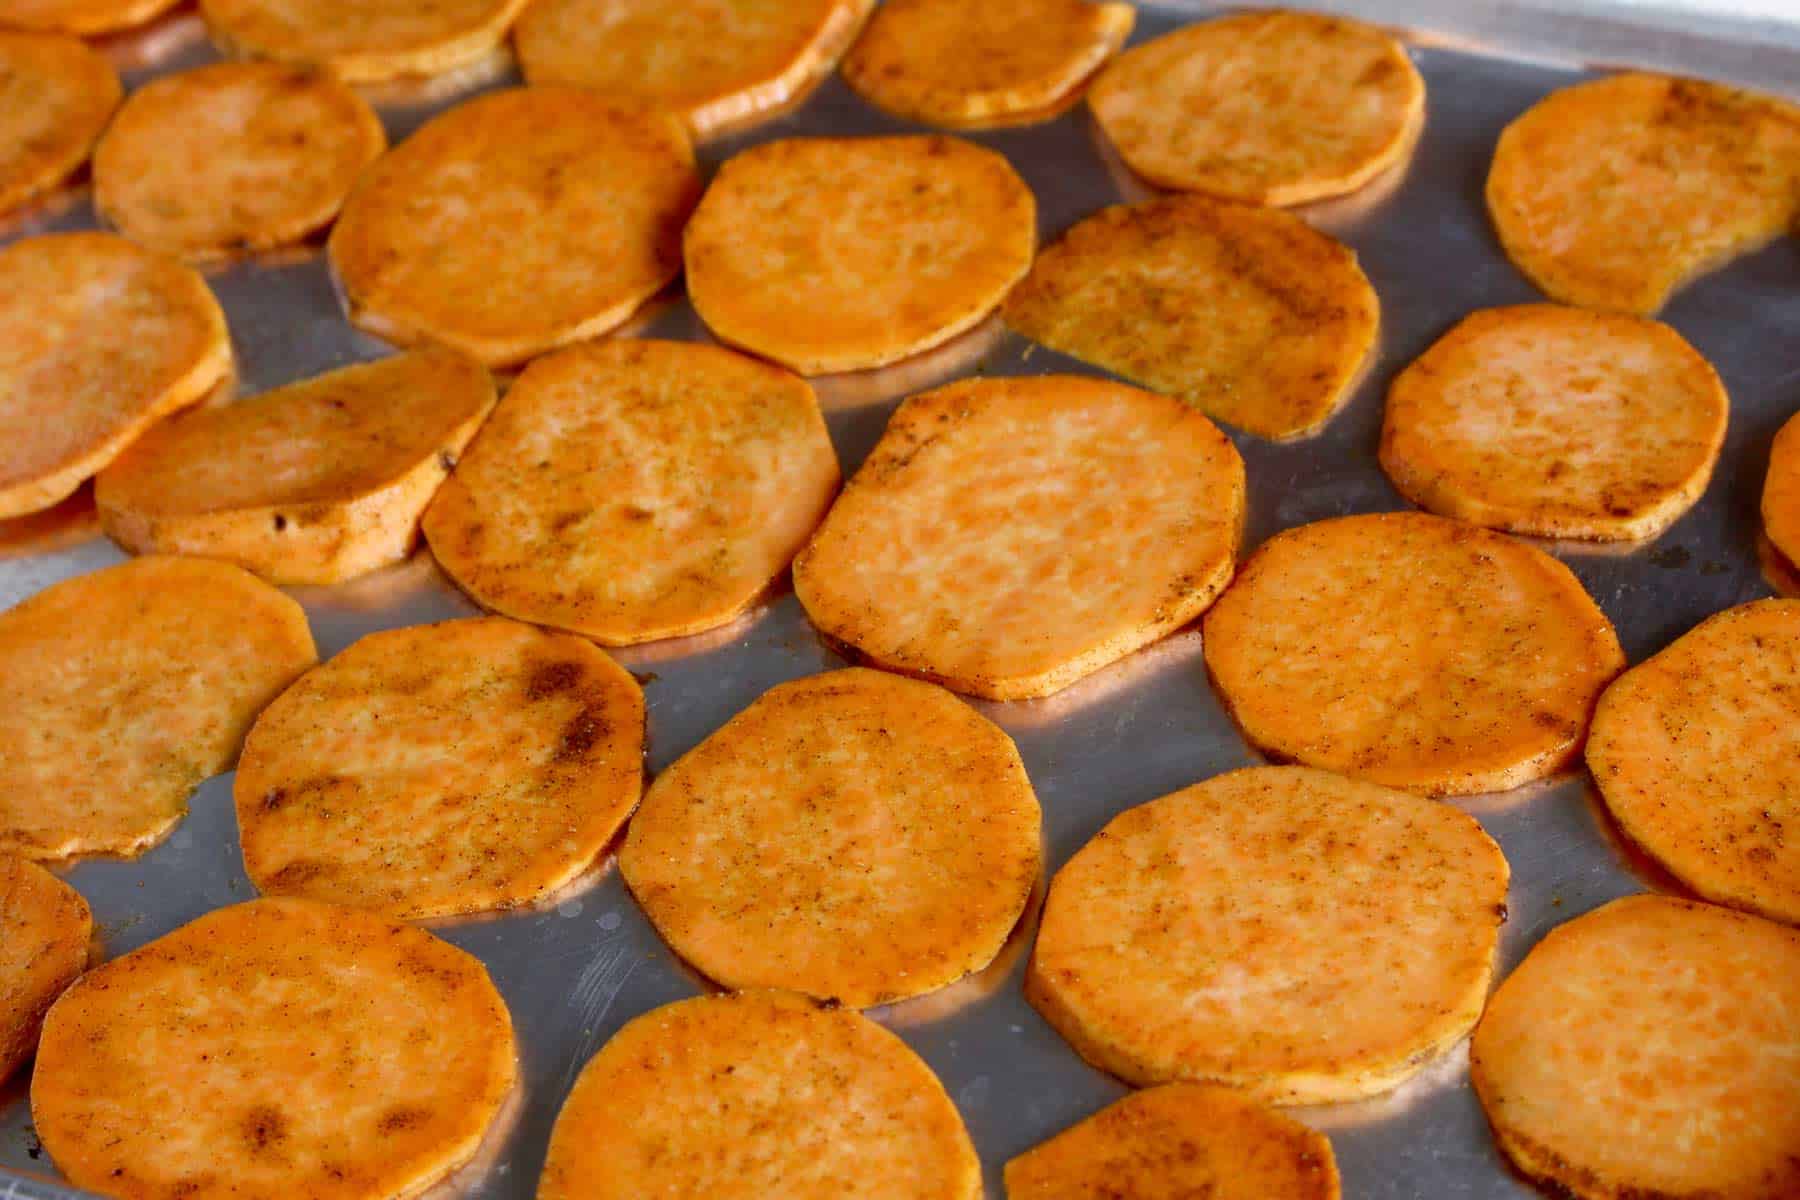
(363, 40)
(1180, 1141)
(98, 339)
(1249, 314)
(127, 688)
(1290, 932)
(856, 836)
(1781, 492)
(836, 254)
(56, 96)
(517, 222)
(1266, 107)
(718, 64)
(636, 490)
(85, 17)
(1411, 651)
(1647, 1050)
(951, 63)
(275, 1048)
(440, 769)
(753, 1095)
(1697, 754)
(45, 928)
(1615, 192)
(1558, 422)
(316, 482)
(1008, 536)
(233, 157)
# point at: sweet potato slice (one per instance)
(836, 254)
(363, 40)
(856, 836)
(275, 1048)
(1265, 107)
(753, 1095)
(85, 17)
(1249, 314)
(45, 929)
(1781, 492)
(1557, 422)
(460, 767)
(1647, 1050)
(1411, 651)
(1008, 536)
(1299, 935)
(316, 482)
(125, 689)
(1697, 755)
(1613, 193)
(56, 96)
(1177, 1142)
(517, 222)
(635, 490)
(98, 339)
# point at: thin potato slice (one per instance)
(441, 769)
(1179, 1142)
(316, 482)
(85, 17)
(1411, 651)
(836, 254)
(1647, 1050)
(125, 689)
(635, 490)
(517, 222)
(948, 62)
(1287, 931)
(56, 96)
(1248, 314)
(1781, 492)
(1008, 536)
(1615, 192)
(98, 339)
(855, 835)
(363, 41)
(719, 64)
(1557, 422)
(45, 928)
(1265, 107)
(1697, 754)
(275, 1048)
(233, 157)
(754, 1095)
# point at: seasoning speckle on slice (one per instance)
(45, 929)
(362, 41)
(56, 96)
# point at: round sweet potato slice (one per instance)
(98, 339)
(1265, 107)
(1613, 193)
(1249, 314)
(363, 41)
(1647, 1050)
(636, 490)
(1558, 422)
(1290, 932)
(836, 254)
(127, 688)
(517, 222)
(56, 96)
(1008, 536)
(440, 769)
(1781, 492)
(719, 64)
(313, 483)
(1697, 754)
(950, 63)
(85, 17)
(1411, 651)
(856, 836)
(1177, 1142)
(45, 929)
(758, 1094)
(275, 1048)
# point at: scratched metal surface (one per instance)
(575, 972)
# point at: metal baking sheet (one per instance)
(576, 971)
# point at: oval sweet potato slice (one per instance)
(1781, 492)
(85, 17)
(45, 929)
(56, 96)
(363, 40)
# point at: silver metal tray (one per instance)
(574, 973)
